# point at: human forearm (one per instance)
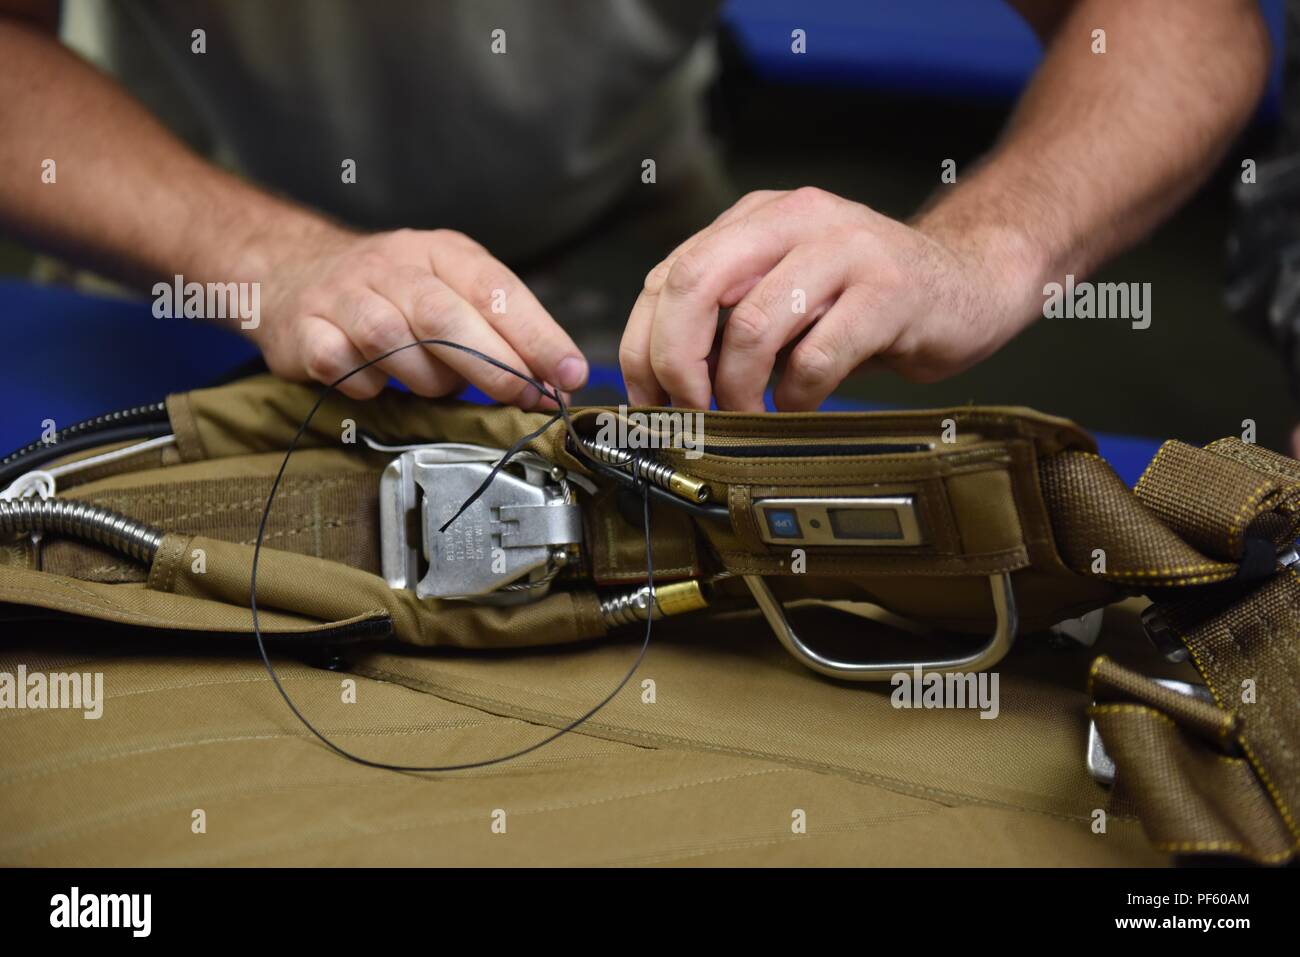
(1103, 146)
(131, 200)
(127, 196)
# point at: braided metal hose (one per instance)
(84, 520)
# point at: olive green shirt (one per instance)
(517, 122)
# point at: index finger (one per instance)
(510, 307)
(686, 313)
(634, 349)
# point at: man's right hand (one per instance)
(330, 299)
(340, 299)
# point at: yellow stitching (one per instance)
(1141, 482)
(1236, 527)
(1278, 801)
(1174, 846)
(1092, 672)
(1132, 709)
(1171, 572)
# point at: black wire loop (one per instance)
(562, 415)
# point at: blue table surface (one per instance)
(73, 356)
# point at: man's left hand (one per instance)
(827, 283)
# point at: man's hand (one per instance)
(1104, 143)
(842, 283)
(342, 299)
(331, 299)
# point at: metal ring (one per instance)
(989, 654)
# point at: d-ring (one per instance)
(1004, 634)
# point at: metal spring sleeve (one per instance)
(628, 607)
(63, 516)
(638, 465)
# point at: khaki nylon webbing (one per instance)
(327, 516)
(1247, 653)
(1178, 768)
(1235, 790)
(1211, 496)
(1092, 509)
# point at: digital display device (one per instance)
(875, 523)
(861, 521)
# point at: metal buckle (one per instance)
(505, 548)
(1160, 635)
(1084, 630)
(989, 654)
(1100, 765)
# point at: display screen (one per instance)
(870, 523)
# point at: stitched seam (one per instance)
(1176, 846)
(939, 795)
(1146, 473)
(289, 486)
(1101, 709)
(1278, 801)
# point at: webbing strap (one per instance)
(1218, 496)
(331, 516)
(1102, 530)
(1223, 778)
(1248, 652)
(1181, 766)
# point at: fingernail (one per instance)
(571, 373)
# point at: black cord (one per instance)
(501, 463)
(563, 413)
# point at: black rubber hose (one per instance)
(35, 455)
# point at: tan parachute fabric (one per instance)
(709, 763)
